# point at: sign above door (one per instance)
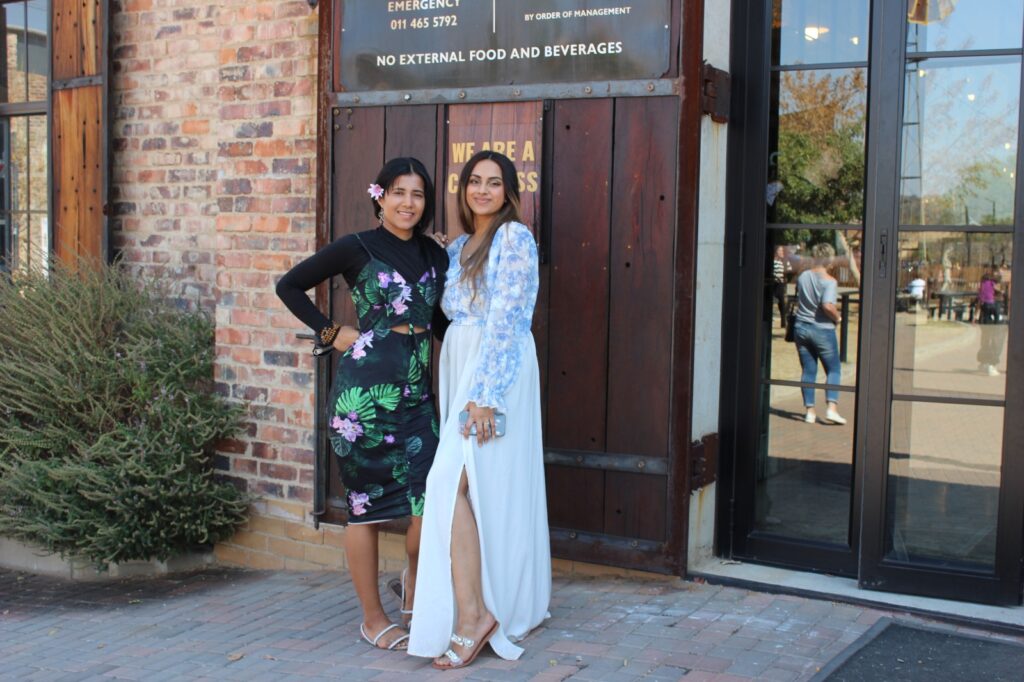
(424, 44)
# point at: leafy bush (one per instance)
(107, 417)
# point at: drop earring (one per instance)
(380, 217)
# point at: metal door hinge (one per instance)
(714, 94)
(703, 461)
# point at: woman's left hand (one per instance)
(483, 417)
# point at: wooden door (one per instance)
(610, 262)
(605, 313)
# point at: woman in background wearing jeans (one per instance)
(815, 332)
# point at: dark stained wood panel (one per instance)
(579, 291)
(642, 276)
(78, 127)
(634, 505)
(575, 498)
(358, 156)
(77, 38)
(410, 131)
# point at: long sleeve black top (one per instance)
(347, 257)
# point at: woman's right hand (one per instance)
(347, 335)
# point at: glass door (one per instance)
(942, 415)
(877, 182)
(804, 213)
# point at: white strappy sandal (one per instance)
(397, 588)
(373, 642)
(466, 643)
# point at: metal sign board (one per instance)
(422, 44)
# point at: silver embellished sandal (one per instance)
(456, 661)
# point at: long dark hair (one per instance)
(408, 165)
(473, 269)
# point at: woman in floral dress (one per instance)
(381, 416)
(485, 568)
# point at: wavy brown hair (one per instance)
(473, 268)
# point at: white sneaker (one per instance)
(810, 418)
(834, 417)
(992, 371)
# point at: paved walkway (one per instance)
(248, 625)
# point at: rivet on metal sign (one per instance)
(462, 94)
(350, 126)
(407, 97)
(337, 111)
(357, 98)
(337, 127)
(349, 111)
(634, 544)
(588, 89)
(650, 87)
(516, 92)
(579, 459)
(572, 535)
(641, 464)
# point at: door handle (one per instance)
(883, 254)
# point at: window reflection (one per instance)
(948, 25)
(788, 255)
(960, 141)
(37, 53)
(952, 314)
(816, 147)
(804, 472)
(819, 31)
(943, 488)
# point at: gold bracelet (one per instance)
(328, 334)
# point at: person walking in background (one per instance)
(993, 335)
(815, 332)
(485, 570)
(381, 415)
(779, 282)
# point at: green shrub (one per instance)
(107, 418)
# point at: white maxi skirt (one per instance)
(506, 491)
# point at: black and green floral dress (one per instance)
(381, 414)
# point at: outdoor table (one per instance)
(947, 301)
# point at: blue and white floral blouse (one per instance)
(503, 307)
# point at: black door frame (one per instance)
(741, 380)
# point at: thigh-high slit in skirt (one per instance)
(507, 494)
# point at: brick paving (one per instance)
(227, 624)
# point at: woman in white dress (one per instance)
(485, 558)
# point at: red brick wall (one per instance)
(214, 167)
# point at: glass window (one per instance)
(960, 141)
(24, 172)
(948, 25)
(804, 472)
(952, 314)
(816, 147)
(819, 31)
(943, 484)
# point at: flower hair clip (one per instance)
(375, 191)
